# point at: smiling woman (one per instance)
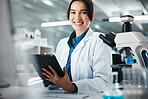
(80, 14)
(85, 59)
(78, 17)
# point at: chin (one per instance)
(77, 29)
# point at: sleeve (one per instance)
(75, 88)
(58, 50)
(62, 52)
(101, 67)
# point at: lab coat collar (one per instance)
(85, 39)
(78, 39)
(88, 35)
(73, 35)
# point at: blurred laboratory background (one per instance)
(30, 14)
(36, 26)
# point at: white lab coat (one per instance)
(90, 62)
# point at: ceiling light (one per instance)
(58, 23)
(48, 2)
(141, 18)
(115, 19)
(136, 18)
(28, 5)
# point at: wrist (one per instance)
(69, 87)
(75, 88)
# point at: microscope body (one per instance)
(138, 45)
(130, 44)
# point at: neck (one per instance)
(78, 33)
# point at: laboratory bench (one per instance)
(43, 93)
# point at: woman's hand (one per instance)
(63, 82)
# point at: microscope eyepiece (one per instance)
(127, 19)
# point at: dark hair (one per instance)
(89, 6)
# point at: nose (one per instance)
(77, 16)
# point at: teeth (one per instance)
(78, 23)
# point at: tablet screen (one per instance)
(43, 61)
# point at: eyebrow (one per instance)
(80, 10)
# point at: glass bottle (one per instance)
(113, 92)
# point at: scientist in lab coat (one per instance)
(85, 59)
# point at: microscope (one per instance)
(130, 45)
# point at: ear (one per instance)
(92, 16)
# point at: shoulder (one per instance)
(63, 41)
(62, 44)
(95, 37)
(92, 36)
(97, 41)
(96, 34)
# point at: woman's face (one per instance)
(79, 19)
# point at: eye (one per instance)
(72, 12)
(83, 12)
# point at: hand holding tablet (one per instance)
(42, 63)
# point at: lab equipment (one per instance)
(37, 37)
(113, 92)
(127, 20)
(132, 46)
(134, 83)
(119, 69)
(128, 43)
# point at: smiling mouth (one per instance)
(78, 23)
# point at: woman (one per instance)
(86, 58)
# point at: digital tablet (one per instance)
(43, 61)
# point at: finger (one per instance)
(48, 76)
(64, 70)
(54, 72)
(48, 79)
(49, 73)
